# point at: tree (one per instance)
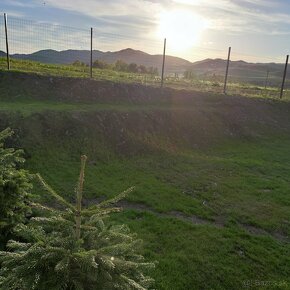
(73, 249)
(133, 67)
(121, 66)
(15, 187)
(101, 64)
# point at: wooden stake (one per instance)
(79, 193)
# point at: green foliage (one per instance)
(14, 187)
(101, 64)
(74, 249)
(133, 67)
(79, 63)
(120, 65)
(197, 83)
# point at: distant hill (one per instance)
(218, 66)
(2, 54)
(173, 64)
(239, 70)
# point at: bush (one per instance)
(78, 63)
(15, 187)
(101, 64)
(74, 249)
(121, 66)
(133, 68)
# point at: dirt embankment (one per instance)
(68, 89)
(177, 118)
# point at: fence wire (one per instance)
(2, 38)
(65, 51)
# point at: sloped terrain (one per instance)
(211, 171)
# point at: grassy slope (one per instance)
(234, 86)
(240, 186)
(237, 178)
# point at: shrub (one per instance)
(15, 188)
(101, 64)
(121, 66)
(133, 67)
(74, 249)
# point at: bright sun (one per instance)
(182, 28)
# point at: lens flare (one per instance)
(182, 28)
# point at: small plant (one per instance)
(73, 249)
(15, 188)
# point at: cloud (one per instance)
(130, 17)
(11, 13)
(236, 16)
(96, 8)
(141, 16)
(133, 23)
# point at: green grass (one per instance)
(75, 71)
(243, 185)
(206, 257)
(238, 185)
(30, 107)
(234, 87)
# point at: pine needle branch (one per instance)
(44, 208)
(54, 194)
(98, 212)
(115, 199)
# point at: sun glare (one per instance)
(182, 28)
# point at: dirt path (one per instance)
(218, 222)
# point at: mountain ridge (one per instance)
(248, 71)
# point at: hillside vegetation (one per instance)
(240, 71)
(211, 171)
(206, 82)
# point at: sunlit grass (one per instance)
(234, 87)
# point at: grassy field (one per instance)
(211, 173)
(234, 87)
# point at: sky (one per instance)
(257, 30)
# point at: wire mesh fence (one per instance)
(2, 37)
(53, 49)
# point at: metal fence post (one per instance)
(91, 56)
(7, 44)
(163, 63)
(227, 70)
(267, 79)
(284, 77)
